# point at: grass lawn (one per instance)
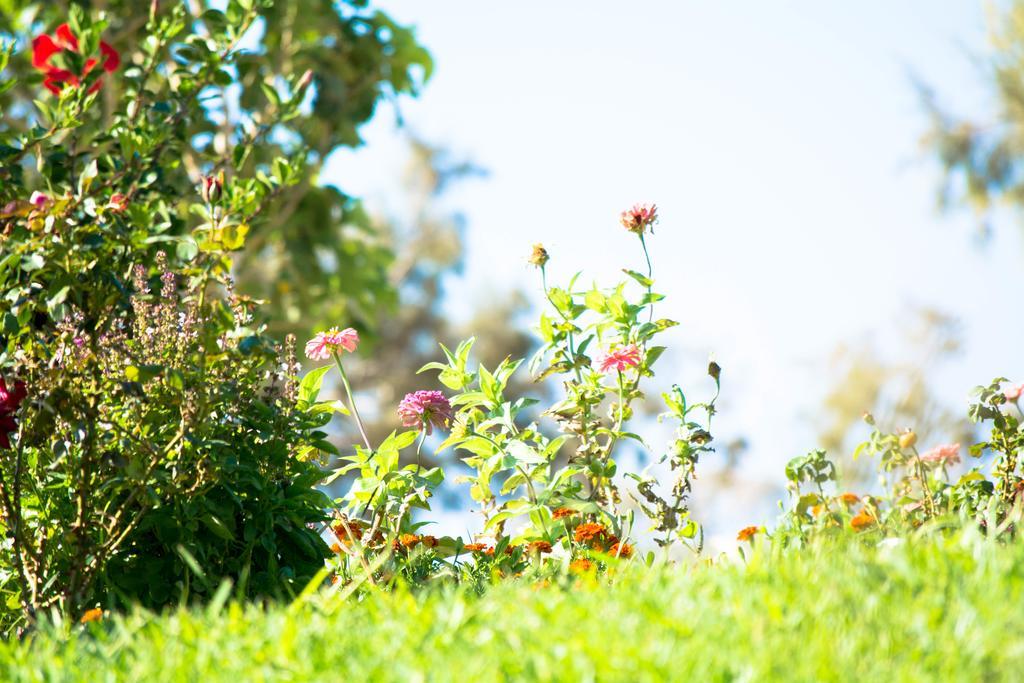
(931, 610)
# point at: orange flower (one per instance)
(476, 547)
(94, 614)
(356, 526)
(747, 533)
(850, 498)
(335, 548)
(861, 521)
(562, 512)
(590, 532)
(508, 550)
(621, 550)
(409, 540)
(581, 566)
(429, 541)
(539, 547)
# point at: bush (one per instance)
(150, 437)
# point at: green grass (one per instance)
(932, 610)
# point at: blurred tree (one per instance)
(313, 252)
(898, 393)
(983, 161)
(427, 239)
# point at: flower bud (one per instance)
(304, 81)
(212, 187)
(118, 203)
(714, 370)
(908, 438)
(539, 256)
(39, 199)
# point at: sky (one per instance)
(781, 143)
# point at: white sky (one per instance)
(781, 143)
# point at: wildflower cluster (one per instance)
(548, 501)
(921, 488)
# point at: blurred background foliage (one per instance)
(898, 388)
(315, 255)
(982, 163)
(983, 160)
(320, 258)
(427, 240)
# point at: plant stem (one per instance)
(351, 401)
(924, 484)
(419, 446)
(650, 275)
(572, 349)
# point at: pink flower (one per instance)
(1014, 391)
(118, 203)
(425, 409)
(620, 359)
(9, 402)
(39, 200)
(640, 218)
(947, 454)
(325, 344)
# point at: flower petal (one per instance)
(113, 58)
(43, 48)
(65, 38)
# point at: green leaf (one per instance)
(217, 527)
(642, 279)
(309, 387)
(186, 249)
(32, 262)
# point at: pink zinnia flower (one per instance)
(425, 409)
(947, 454)
(1014, 391)
(620, 359)
(640, 218)
(38, 199)
(325, 344)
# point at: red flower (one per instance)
(45, 47)
(9, 402)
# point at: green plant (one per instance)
(153, 441)
(265, 90)
(920, 490)
(925, 609)
(539, 493)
